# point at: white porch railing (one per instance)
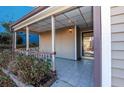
(37, 54)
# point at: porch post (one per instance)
(15, 40)
(75, 30)
(53, 42)
(27, 38)
(39, 41)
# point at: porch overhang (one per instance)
(53, 10)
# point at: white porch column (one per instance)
(53, 42)
(39, 41)
(27, 38)
(15, 40)
(75, 40)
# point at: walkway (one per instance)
(74, 74)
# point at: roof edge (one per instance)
(33, 12)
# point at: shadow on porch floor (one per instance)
(74, 73)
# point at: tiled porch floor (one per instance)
(74, 73)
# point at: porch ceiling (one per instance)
(81, 16)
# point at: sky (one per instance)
(13, 13)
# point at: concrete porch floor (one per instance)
(74, 73)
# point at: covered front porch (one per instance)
(61, 41)
(60, 35)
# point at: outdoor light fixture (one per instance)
(70, 30)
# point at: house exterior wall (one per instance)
(64, 40)
(117, 31)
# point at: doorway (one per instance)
(87, 49)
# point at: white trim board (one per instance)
(106, 46)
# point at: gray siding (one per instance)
(117, 30)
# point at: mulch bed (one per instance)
(50, 82)
(5, 81)
(47, 81)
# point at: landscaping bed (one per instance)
(5, 80)
(5, 58)
(29, 70)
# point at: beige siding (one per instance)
(117, 28)
(64, 43)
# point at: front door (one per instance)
(87, 44)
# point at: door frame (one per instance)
(85, 31)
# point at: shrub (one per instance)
(31, 70)
(5, 81)
(5, 58)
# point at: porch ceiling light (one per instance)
(70, 30)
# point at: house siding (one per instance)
(64, 43)
(117, 31)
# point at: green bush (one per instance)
(31, 70)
